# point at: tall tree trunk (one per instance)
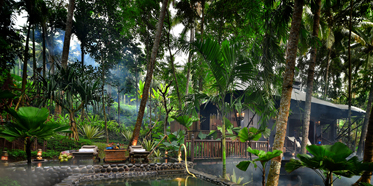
(150, 107)
(203, 18)
(19, 66)
(103, 106)
(74, 132)
(68, 30)
(109, 96)
(368, 150)
(327, 73)
(189, 61)
(349, 77)
(173, 65)
(25, 60)
(44, 50)
(82, 54)
(311, 72)
(149, 74)
(366, 121)
(223, 145)
(33, 54)
(28, 151)
(287, 87)
(137, 89)
(118, 105)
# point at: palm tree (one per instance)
(311, 72)
(227, 66)
(30, 124)
(287, 87)
(149, 73)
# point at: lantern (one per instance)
(4, 157)
(40, 152)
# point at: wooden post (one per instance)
(192, 150)
(268, 145)
(13, 145)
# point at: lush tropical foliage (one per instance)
(122, 70)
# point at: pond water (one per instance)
(175, 180)
(300, 177)
(81, 162)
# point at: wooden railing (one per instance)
(211, 149)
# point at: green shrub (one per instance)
(5, 181)
(18, 154)
(60, 143)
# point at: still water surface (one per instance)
(180, 180)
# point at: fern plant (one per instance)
(91, 132)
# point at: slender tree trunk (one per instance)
(44, 50)
(287, 87)
(109, 96)
(349, 77)
(19, 66)
(203, 18)
(68, 31)
(33, 54)
(223, 146)
(366, 121)
(149, 74)
(103, 106)
(368, 150)
(327, 73)
(173, 65)
(82, 54)
(118, 105)
(311, 72)
(24, 72)
(150, 107)
(28, 151)
(74, 132)
(263, 175)
(189, 61)
(137, 90)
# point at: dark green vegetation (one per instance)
(116, 72)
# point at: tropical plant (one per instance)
(30, 123)
(228, 127)
(90, 132)
(185, 120)
(329, 160)
(148, 144)
(228, 64)
(157, 153)
(233, 178)
(127, 134)
(263, 158)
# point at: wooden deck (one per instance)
(211, 149)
